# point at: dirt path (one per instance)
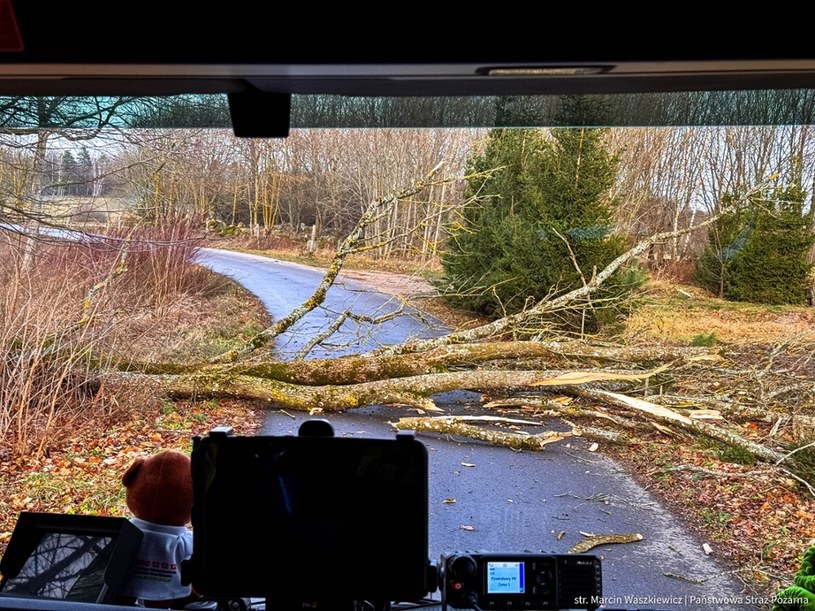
(401, 285)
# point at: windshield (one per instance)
(594, 311)
(671, 108)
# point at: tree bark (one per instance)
(412, 390)
(415, 390)
(357, 369)
(455, 426)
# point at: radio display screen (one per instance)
(505, 578)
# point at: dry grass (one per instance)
(676, 314)
(194, 328)
(46, 380)
(68, 309)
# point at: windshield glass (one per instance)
(594, 311)
(677, 108)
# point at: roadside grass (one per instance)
(196, 329)
(681, 315)
(758, 522)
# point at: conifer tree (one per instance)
(541, 225)
(761, 254)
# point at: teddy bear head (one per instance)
(159, 488)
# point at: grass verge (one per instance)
(758, 522)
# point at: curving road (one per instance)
(484, 498)
(281, 286)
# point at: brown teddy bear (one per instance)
(159, 493)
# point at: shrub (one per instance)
(64, 306)
(704, 340)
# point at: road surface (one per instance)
(281, 286)
(484, 498)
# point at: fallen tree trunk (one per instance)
(657, 414)
(415, 390)
(670, 417)
(456, 426)
(357, 369)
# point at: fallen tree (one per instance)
(572, 394)
(355, 369)
(602, 391)
(415, 390)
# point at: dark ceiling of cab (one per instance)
(228, 46)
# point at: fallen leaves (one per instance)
(84, 474)
(756, 519)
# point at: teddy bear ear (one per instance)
(130, 474)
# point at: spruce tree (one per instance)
(760, 254)
(542, 223)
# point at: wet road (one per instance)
(507, 501)
(282, 286)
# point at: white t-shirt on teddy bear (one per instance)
(156, 572)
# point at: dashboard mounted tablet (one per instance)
(310, 519)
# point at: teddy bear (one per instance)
(159, 494)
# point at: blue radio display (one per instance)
(505, 578)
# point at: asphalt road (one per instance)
(485, 498)
(281, 286)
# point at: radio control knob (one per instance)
(544, 577)
(462, 567)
